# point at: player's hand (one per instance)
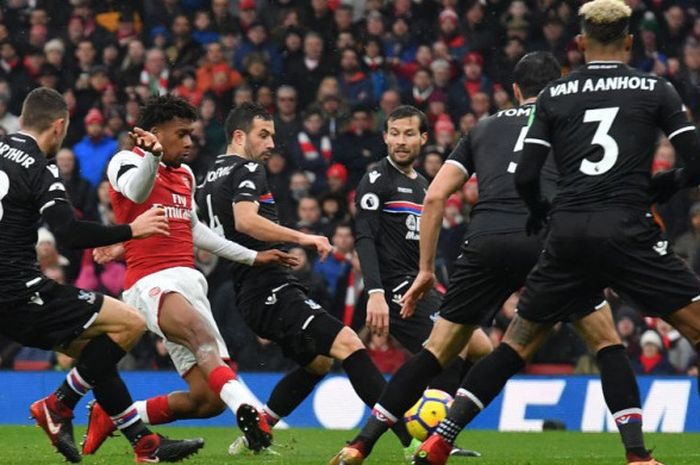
(664, 185)
(377, 314)
(149, 223)
(277, 257)
(320, 243)
(146, 141)
(537, 218)
(108, 253)
(423, 283)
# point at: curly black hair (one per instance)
(163, 108)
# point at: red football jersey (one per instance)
(173, 192)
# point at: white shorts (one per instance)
(145, 296)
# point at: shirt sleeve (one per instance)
(369, 201)
(213, 241)
(461, 156)
(539, 124)
(132, 175)
(249, 183)
(47, 187)
(672, 116)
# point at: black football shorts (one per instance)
(287, 316)
(411, 332)
(53, 317)
(624, 250)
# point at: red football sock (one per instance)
(220, 376)
(159, 411)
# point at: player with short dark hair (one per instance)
(38, 312)
(161, 279)
(236, 197)
(601, 122)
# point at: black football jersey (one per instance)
(28, 186)
(234, 179)
(389, 207)
(492, 150)
(602, 123)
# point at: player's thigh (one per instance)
(447, 339)
(414, 331)
(598, 329)
(122, 323)
(320, 365)
(526, 337)
(646, 272)
(687, 322)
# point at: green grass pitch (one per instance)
(28, 446)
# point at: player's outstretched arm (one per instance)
(79, 234)
(448, 180)
(132, 175)
(250, 223)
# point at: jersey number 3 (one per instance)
(4, 189)
(604, 117)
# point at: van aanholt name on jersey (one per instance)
(603, 84)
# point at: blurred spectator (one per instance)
(359, 146)
(652, 360)
(389, 101)
(309, 213)
(688, 244)
(355, 86)
(628, 327)
(385, 352)
(95, 149)
(257, 41)
(337, 176)
(338, 264)
(287, 119)
(305, 73)
(183, 51)
(680, 352)
(155, 74)
(313, 150)
(81, 193)
(422, 91)
(381, 77)
(46, 253)
(468, 85)
(8, 121)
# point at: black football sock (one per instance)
(72, 389)
(404, 388)
(291, 391)
(97, 365)
(114, 398)
(364, 376)
(451, 377)
(482, 384)
(622, 397)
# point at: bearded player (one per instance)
(161, 279)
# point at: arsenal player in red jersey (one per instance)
(161, 279)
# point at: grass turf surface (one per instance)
(21, 445)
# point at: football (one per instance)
(426, 414)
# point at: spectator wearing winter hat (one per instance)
(359, 146)
(470, 83)
(653, 359)
(95, 149)
(444, 131)
(450, 33)
(337, 176)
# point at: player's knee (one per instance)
(346, 343)
(133, 325)
(199, 338)
(320, 365)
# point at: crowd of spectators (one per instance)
(329, 71)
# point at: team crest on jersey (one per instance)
(87, 296)
(251, 166)
(413, 226)
(373, 176)
(369, 201)
(186, 180)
